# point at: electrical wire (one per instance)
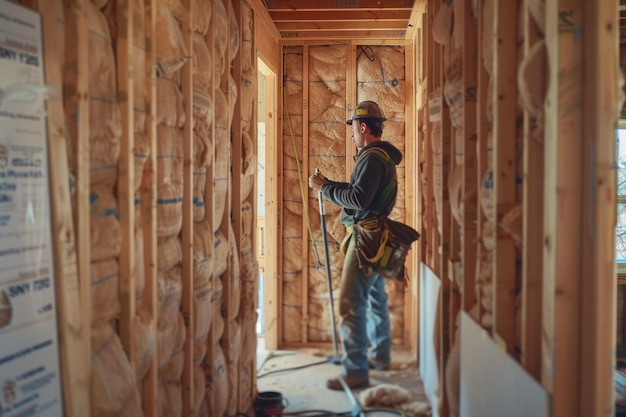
(295, 151)
(292, 369)
(318, 413)
(368, 51)
(327, 413)
(356, 410)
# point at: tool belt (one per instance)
(382, 246)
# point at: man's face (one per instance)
(357, 134)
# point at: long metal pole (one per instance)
(335, 358)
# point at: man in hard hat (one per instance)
(370, 193)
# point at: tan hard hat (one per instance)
(367, 110)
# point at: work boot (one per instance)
(351, 382)
(378, 364)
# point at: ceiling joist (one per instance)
(391, 20)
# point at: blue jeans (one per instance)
(364, 317)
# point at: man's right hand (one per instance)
(316, 182)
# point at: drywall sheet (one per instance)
(429, 293)
(492, 383)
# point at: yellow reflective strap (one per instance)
(381, 248)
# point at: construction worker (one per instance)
(370, 193)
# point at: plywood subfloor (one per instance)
(305, 388)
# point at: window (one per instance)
(620, 232)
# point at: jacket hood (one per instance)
(393, 152)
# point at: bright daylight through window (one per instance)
(620, 232)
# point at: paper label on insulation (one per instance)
(29, 353)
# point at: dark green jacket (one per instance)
(359, 199)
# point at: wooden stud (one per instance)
(283, 122)
(470, 174)
(601, 58)
(73, 321)
(126, 175)
(532, 253)
(266, 36)
(562, 256)
(482, 154)
(443, 243)
(504, 172)
(415, 19)
(440, 226)
(432, 77)
(234, 12)
(236, 131)
(253, 132)
(209, 204)
(307, 200)
(427, 194)
(419, 157)
(411, 297)
(187, 302)
(351, 102)
(77, 60)
(225, 225)
(273, 196)
(150, 300)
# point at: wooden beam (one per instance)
(73, 321)
(359, 35)
(563, 214)
(292, 5)
(470, 173)
(283, 123)
(266, 36)
(345, 26)
(306, 193)
(187, 302)
(440, 223)
(150, 301)
(411, 297)
(351, 102)
(415, 22)
(504, 168)
(421, 108)
(601, 58)
(336, 15)
(482, 154)
(234, 11)
(209, 204)
(273, 149)
(225, 224)
(532, 253)
(426, 158)
(336, 41)
(76, 101)
(126, 175)
(253, 131)
(443, 253)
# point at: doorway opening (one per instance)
(266, 208)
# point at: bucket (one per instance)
(269, 404)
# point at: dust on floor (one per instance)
(300, 376)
